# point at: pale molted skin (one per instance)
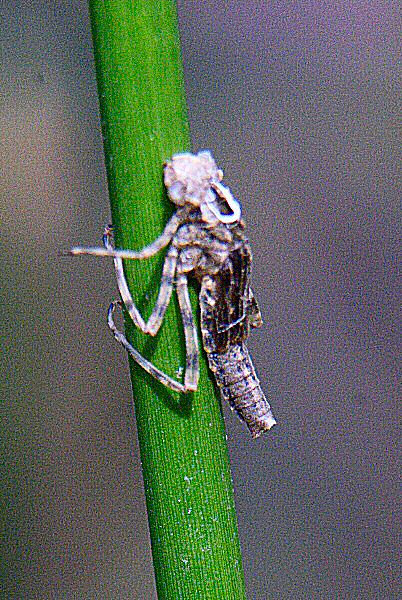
(205, 239)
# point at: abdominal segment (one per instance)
(239, 385)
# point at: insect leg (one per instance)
(190, 333)
(165, 292)
(122, 283)
(156, 318)
(253, 310)
(161, 242)
(139, 359)
(207, 306)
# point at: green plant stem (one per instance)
(187, 479)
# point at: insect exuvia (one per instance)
(205, 238)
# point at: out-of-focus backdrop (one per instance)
(297, 101)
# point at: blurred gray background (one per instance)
(297, 101)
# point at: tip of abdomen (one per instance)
(251, 405)
(239, 385)
(264, 423)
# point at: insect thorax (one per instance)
(204, 249)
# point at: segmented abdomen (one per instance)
(239, 385)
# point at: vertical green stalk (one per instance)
(187, 479)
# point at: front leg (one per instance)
(161, 242)
(165, 291)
